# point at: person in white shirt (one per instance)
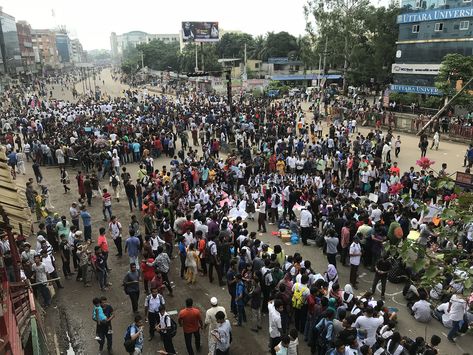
(355, 259)
(261, 215)
(211, 322)
(421, 309)
(306, 224)
(456, 309)
(370, 324)
(275, 328)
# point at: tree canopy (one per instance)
(453, 68)
(361, 38)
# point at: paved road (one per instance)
(74, 302)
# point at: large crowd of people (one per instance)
(272, 163)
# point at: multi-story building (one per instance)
(26, 46)
(44, 46)
(77, 52)
(63, 44)
(10, 55)
(120, 43)
(429, 30)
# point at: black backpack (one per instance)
(277, 199)
(128, 343)
(114, 181)
(173, 331)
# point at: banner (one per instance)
(200, 31)
(423, 69)
(434, 15)
(428, 90)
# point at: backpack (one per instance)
(114, 181)
(264, 278)
(173, 331)
(277, 199)
(128, 343)
(322, 335)
(297, 299)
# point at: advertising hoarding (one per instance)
(200, 31)
(423, 69)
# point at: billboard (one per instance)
(423, 69)
(200, 31)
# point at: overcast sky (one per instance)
(92, 21)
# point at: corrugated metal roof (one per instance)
(13, 199)
(305, 77)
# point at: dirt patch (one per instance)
(62, 331)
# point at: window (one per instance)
(464, 25)
(415, 28)
(439, 27)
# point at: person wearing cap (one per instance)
(211, 322)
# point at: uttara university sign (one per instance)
(434, 15)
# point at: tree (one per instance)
(158, 55)
(231, 45)
(281, 44)
(209, 51)
(360, 38)
(453, 68)
(259, 49)
(437, 266)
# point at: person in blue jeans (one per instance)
(132, 247)
(239, 299)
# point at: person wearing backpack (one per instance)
(167, 328)
(267, 284)
(300, 292)
(134, 337)
(324, 332)
(115, 184)
(153, 303)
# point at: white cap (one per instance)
(213, 301)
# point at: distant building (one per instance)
(120, 43)
(63, 44)
(44, 46)
(26, 46)
(9, 45)
(429, 30)
(77, 52)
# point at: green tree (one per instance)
(187, 58)
(281, 44)
(437, 266)
(231, 45)
(455, 67)
(259, 50)
(360, 38)
(158, 55)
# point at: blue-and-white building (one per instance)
(429, 30)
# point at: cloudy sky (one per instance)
(92, 21)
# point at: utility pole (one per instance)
(444, 107)
(196, 69)
(228, 76)
(142, 60)
(88, 75)
(202, 54)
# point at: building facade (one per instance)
(44, 46)
(26, 47)
(63, 44)
(120, 43)
(429, 30)
(10, 55)
(77, 52)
